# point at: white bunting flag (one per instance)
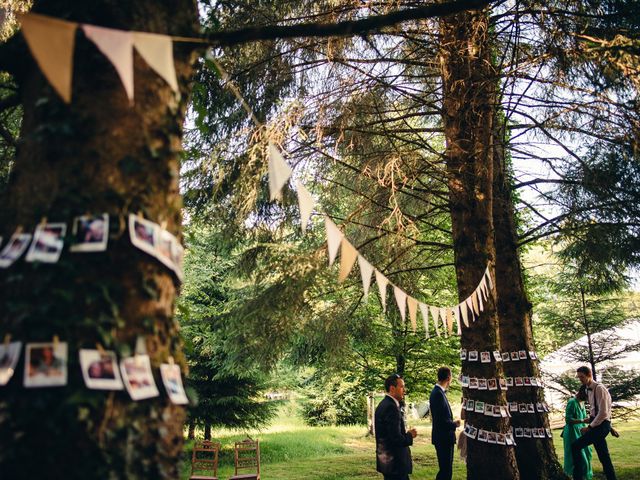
(279, 172)
(425, 318)
(456, 313)
(157, 51)
(449, 321)
(348, 255)
(412, 305)
(478, 294)
(366, 269)
(465, 313)
(334, 237)
(443, 318)
(474, 303)
(484, 288)
(117, 46)
(435, 316)
(469, 303)
(488, 275)
(401, 300)
(306, 203)
(382, 282)
(51, 42)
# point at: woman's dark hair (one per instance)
(582, 393)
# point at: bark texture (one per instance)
(99, 154)
(469, 101)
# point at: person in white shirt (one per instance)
(597, 429)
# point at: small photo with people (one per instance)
(172, 379)
(12, 251)
(90, 233)
(138, 377)
(100, 370)
(48, 242)
(9, 355)
(143, 234)
(45, 364)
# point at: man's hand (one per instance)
(457, 423)
(584, 430)
(413, 432)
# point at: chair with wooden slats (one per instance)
(204, 461)
(247, 460)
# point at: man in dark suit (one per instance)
(443, 433)
(393, 457)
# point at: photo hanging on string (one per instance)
(90, 233)
(48, 242)
(18, 243)
(138, 378)
(9, 356)
(45, 364)
(143, 234)
(100, 370)
(172, 379)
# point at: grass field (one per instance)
(291, 450)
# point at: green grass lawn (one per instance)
(292, 450)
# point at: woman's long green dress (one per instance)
(574, 411)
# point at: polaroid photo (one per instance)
(505, 356)
(172, 379)
(466, 428)
(541, 433)
(485, 357)
(45, 364)
(473, 356)
(514, 356)
(522, 355)
(527, 432)
(519, 382)
(9, 355)
(513, 406)
(549, 434)
(48, 242)
(464, 381)
(482, 384)
(100, 370)
(18, 243)
(482, 435)
(504, 412)
(492, 384)
(527, 381)
(164, 248)
(534, 381)
(138, 378)
(497, 356)
(503, 383)
(532, 355)
(508, 438)
(177, 256)
(530, 408)
(463, 354)
(519, 432)
(471, 405)
(539, 407)
(535, 433)
(472, 432)
(497, 411)
(143, 234)
(522, 408)
(502, 440)
(488, 410)
(509, 381)
(90, 233)
(473, 382)
(492, 437)
(479, 406)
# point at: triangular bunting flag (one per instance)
(382, 282)
(306, 203)
(488, 275)
(478, 294)
(456, 313)
(450, 321)
(401, 300)
(334, 237)
(366, 269)
(425, 318)
(483, 288)
(348, 257)
(157, 51)
(465, 313)
(443, 318)
(117, 46)
(469, 303)
(435, 316)
(51, 42)
(412, 305)
(474, 303)
(279, 172)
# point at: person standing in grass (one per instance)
(575, 416)
(443, 432)
(393, 456)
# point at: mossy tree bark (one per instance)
(469, 101)
(98, 154)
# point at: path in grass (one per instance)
(291, 450)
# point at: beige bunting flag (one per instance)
(412, 305)
(469, 303)
(443, 318)
(51, 42)
(474, 303)
(157, 51)
(450, 321)
(334, 238)
(117, 46)
(401, 300)
(478, 294)
(435, 316)
(279, 172)
(488, 275)
(465, 313)
(425, 318)
(456, 313)
(483, 288)
(366, 270)
(382, 282)
(348, 257)
(306, 204)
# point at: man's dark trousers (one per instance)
(396, 477)
(596, 437)
(445, 461)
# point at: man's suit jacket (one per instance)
(444, 430)
(393, 456)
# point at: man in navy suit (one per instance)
(443, 433)
(393, 457)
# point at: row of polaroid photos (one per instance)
(46, 366)
(488, 436)
(502, 383)
(479, 406)
(90, 233)
(485, 357)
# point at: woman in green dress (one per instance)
(575, 416)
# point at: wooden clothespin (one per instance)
(43, 222)
(101, 350)
(56, 341)
(7, 340)
(19, 229)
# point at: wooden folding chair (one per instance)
(247, 457)
(204, 461)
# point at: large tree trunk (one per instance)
(97, 155)
(469, 101)
(537, 459)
